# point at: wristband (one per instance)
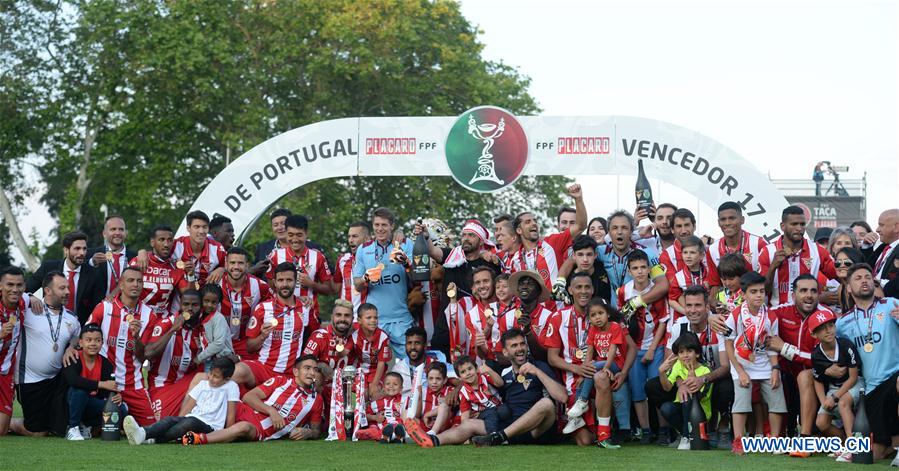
(775, 367)
(788, 351)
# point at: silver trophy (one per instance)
(349, 398)
(488, 133)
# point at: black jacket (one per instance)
(103, 270)
(89, 291)
(73, 378)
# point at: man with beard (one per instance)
(171, 350)
(222, 231)
(614, 258)
(112, 257)
(661, 218)
(274, 333)
(566, 344)
(481, 317)
(528, 413)
(459, 263)
(792, 255)
(85, 289)
(532, 316)
(734, 240)
(359, 233)
(873, 326)
(695, 320)
(162, 279)
(12, 310)
(583, 260)
(546, 255)
(241, 293)
(566, 217)
(332, 345)
(795, 344)
(416, 354)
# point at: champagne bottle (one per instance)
(862, 428)
(421, 261)
(699, 437)
(110, 429)
(642, 189)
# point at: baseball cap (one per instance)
(823, 233)
(819, 318)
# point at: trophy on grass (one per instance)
(488, 133)
(348, 375)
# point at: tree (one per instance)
(151, 97)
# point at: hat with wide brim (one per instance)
(517, 276)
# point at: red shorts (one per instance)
(140, 406)
(7, 387)
(245, 413)
(168, 398)
(261, 372)
(240, 348)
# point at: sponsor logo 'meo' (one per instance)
(486, 149)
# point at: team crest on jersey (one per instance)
(748, 257)
(157, 331)
(807, 262)
(129, 345)
(549, 331)
(270, 382)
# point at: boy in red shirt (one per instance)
(435, 412)
(479, 385)
(384, 415)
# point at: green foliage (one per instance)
(152, 95)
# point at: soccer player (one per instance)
(333, 344)
(274, 332)
(13, 301)
(662, 219)
(792, 255)
(532, 314)
(172, 350)
(385, 281)
(222, 231)
(684, 226)
(202, 256)
(163, 280)
(280, 407)
(545, 255)
(416, 355)
(241, 293)
(372, 348)
(873, 325)
(358, 234)
(313, 273)
(126, 324)
(481, 317)
(565, 218)
(734, 240)
(507, 242)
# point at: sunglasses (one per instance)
(842, 263)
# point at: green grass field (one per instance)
(56, 453)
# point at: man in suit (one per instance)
(112, 257)
(81, 278)
(885, 258)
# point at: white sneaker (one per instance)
(578, 409)
(74, 435)
(135, 433)
(85, 432)
(573, 424)
(845, 457)
(684, 444)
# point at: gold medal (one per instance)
(752, 357)
(518, 313)
(579, 354)
(129, 317)
(180, 264)
(273, 323)
(520, 378)
(109, 256)
(13, 319)
(186, 315)
(488, 312)
(451, 292)
(869, 347)
(235, 321)
(339, 348)
(55, 347)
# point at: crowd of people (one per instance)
(601, 333)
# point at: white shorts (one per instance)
(773, 397)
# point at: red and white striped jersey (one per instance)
(162, 283)
(539, 319)
(505, 260)
(710, 341)
(283, 345)
(309, 261)
(476, 321)
(812, 259)
(567, 330)
(211, 257)
(118, 343)
(238, 305)
(480, 398)
(643, 324)
(9, 344)
(323, 343)
(546, 258)
(295, 404)
(370, 352)
(391, 406)
(432, 399)
(177, 358)
(750, 248)
(683, 278)
(505, 320)
(671, 258)
(455, 321)
(430, 309)
(344, 276)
